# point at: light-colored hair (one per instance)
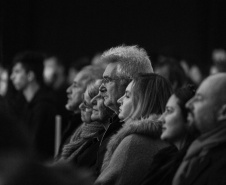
(130, 60)
(92, 73)
(150, 93)
(93, 88)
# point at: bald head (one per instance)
(208, 106)
(215, 86)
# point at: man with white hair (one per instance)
(205, 162)
(125, 63)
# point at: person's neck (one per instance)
(30, 91)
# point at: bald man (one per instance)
(205, 160)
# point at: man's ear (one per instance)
(222, 113)
(31, 76)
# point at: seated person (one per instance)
(130, 151)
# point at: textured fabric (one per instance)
(197, 152)
(81, 139)
(130, 152)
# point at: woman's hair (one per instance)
(150, 93)
(184, 94)
(93, 88)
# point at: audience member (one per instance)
(172, 70)
(55, 77)
(218, 61)
(204, 162)
(40, 111)
(3, 80)
(176, 131)
(125, 62)
(83, 145)
(75, 97)
(18, 165)
(130, 151)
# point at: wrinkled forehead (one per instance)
(110, 70)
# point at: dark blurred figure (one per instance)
(4, 76)
(76, 66)
(17, 163)
(171, 69)
(218, 61)
(75, 97)
(55, 78)
(40, 108)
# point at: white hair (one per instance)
(130, 60)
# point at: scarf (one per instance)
(197, 151)
(81, 140)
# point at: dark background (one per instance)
(71, 29)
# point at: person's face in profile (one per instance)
(113, 88)
(100, 111)
(75, 92)
(125, 103)
(173, 123)
(19, 77)
(86, 108)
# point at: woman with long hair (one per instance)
(176, 131)
(130, 151)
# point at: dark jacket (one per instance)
(130, 152)
(164, 167)
(115, 125)
(39, 116)
(211, 170)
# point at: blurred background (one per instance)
(186, 29)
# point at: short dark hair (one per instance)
(31, 61)
(184, 94)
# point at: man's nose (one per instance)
(102, 88)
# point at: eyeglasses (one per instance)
(108, 80)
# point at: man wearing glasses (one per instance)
(125, 63)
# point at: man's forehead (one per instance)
(212, 86)
(110, 70)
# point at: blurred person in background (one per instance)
(76, 66)
(4, 77)
(218, 61)
(75, 97)
(171, 69)
(18, 162)
(40, 107)
(55, 78)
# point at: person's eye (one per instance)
(127, 96)
(168, 110)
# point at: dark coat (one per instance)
(164, 167)
(39, 116)
(115, 125)
(211, 170)
(130, 152)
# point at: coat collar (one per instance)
(150, 127)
